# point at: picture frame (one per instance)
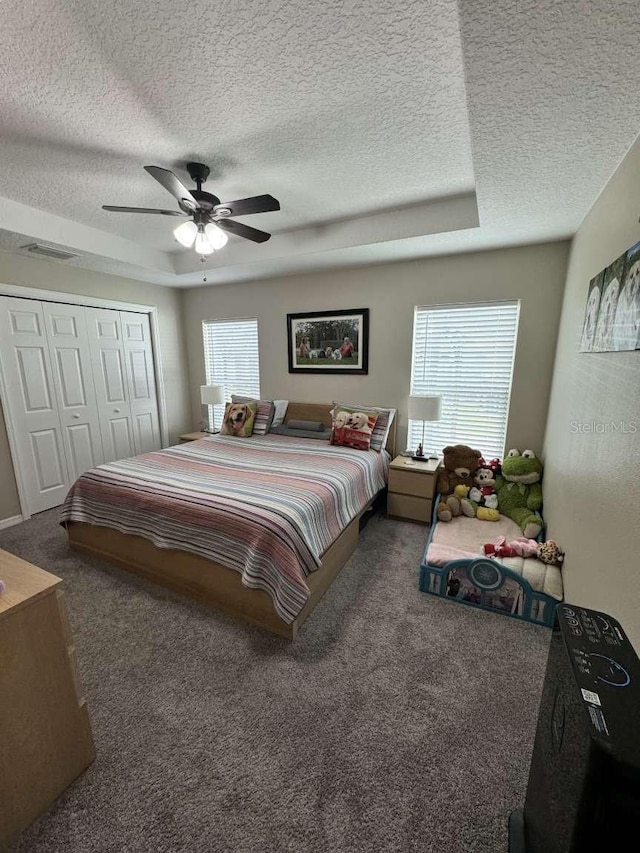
(612, 311)
(329, 342)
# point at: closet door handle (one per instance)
(76, 415)
(117, 411)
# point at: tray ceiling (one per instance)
(385, 130)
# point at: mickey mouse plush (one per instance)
(484, 492)
(482, 501)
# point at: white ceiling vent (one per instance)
(49, 252)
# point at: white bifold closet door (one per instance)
(73, 381)
(34, 408)
(108, 358)
(81, 391)
(136, 334)
(122, 356)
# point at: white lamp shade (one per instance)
(215, 235)
(211, 395)
(185, 234)
(423, 408)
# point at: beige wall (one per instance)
(591, 483)
(533, 274)
(51, 275)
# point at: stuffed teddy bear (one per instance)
(547, 552)
(482, 501)
(459, 465)
(519, 491)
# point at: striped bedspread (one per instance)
(265, 506)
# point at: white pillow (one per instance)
(281, 407)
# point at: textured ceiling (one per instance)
(335, 108)
(553, 105)
(368, 121)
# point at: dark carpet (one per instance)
(395, 722)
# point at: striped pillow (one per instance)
(383, 424)
(264, 415)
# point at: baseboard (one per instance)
(9, 522)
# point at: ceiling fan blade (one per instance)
(245, 206)
(171, 183)
(143, 210)
(241, 230)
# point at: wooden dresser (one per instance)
(45, 733)
(411, 489)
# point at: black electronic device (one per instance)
(584, 783)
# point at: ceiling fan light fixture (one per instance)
(204, 211)
(215, 235)
(186, 233)
(203, 246)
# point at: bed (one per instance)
(454, 567)
(257, 527)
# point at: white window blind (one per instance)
(231, 359)
(464, 354)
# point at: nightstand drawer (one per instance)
(411, 483)
(406, 506)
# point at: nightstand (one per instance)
(193, 436)
(411, 489)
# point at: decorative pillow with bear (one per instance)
(238, 419)
(352, 428)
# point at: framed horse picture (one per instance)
(329, 342)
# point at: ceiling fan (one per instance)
(208, 218)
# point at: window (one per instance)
(464, 353)
(231, 359)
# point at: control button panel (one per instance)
(594, 627)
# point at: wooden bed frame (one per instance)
(211, 583)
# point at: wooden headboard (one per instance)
(322, 412)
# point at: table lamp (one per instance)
(424, 408)
(210, 395)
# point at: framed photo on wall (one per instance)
(329, 341)
(612, 312)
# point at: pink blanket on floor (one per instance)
(464, 538)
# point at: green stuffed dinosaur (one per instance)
(519, 491)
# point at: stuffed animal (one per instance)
(547, 552)
(453, 502)
(484, 492)
(519, 491)
(482, 501)
(459, 465)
